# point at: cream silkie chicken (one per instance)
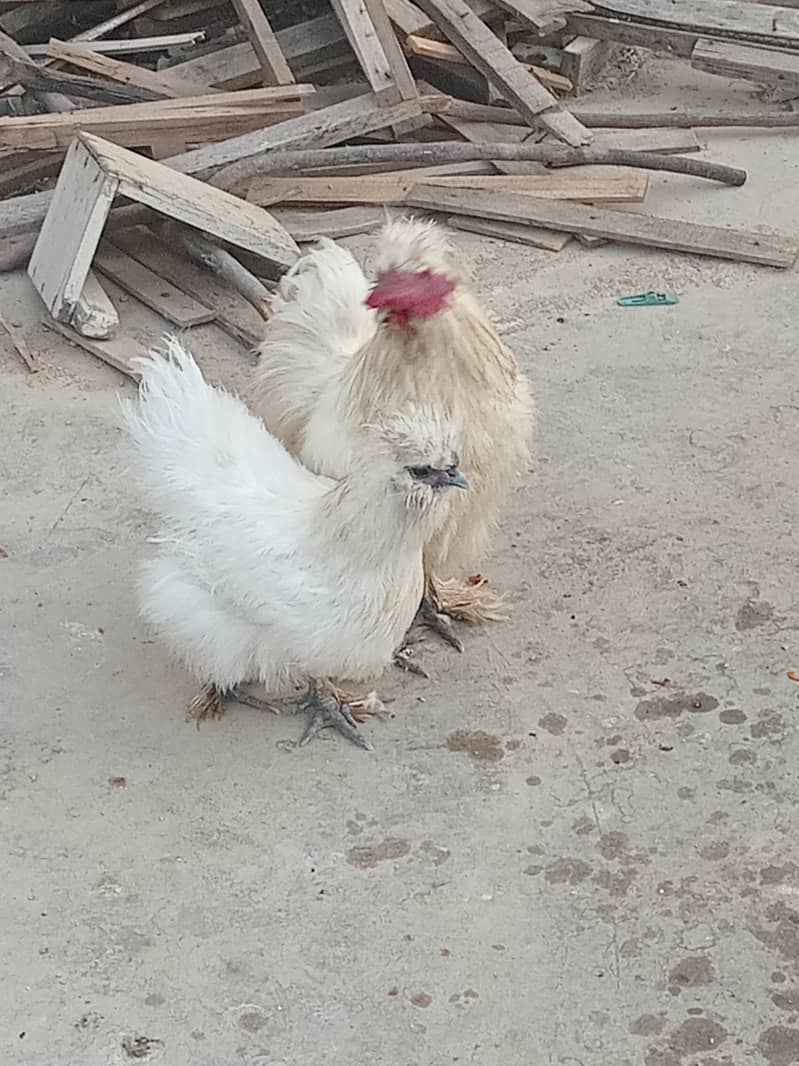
(267, 572)
(339, 352)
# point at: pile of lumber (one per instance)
(234, 130)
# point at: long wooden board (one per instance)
(197, 118)
(489, 55)
(629, 227)
(757, 23)
(517, 232)
(745, 61)
(163, 82)
(592, 184)
(274, 68)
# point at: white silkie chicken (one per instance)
(340, 351)
(267, 572)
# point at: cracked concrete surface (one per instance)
(575, 845)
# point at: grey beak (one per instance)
(456, 479)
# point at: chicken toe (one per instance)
(327, 712)
(238, 695)
(431, 616)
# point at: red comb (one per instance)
(411, 294)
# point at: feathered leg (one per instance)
(329, 712)
(472, 602)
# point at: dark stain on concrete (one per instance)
(782, 935)
(617, 883)
(742, 757)
(567, 871)
(661, 1057)
(367, 856)
(533, 780)
(251, 1021)
(696, 1035)
(553, 723)
(583, 826)
(480, 746)
(673, 706)
(436, 852)
(786, 1000)
(732, 716)
(769, 724)
(715, 850)
(647, 1025)
(613, 845)
(690, 972)
(779, 1045)
(752, 614)
(779, 875)
(620, 756)
(421, 999)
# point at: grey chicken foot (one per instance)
(433, 617)
(238, 695)
(326, 712)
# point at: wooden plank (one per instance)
(129, 45)
(274, 68)
(69, 235)
(756, 23)
(102, 29)
(517, 232)
(662, 39)
(163, 82)
(582, 61)
(487, 53)
(191, 201)
(629, 227)
(448, 53)
(196, 118)
(305, 46)
(154, 292)
(593, 184)
(542, 16)
(309, 225)
(94, 315)
(733, 60)
(118, 352)
(409, 19)
(233, 313)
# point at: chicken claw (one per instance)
(326, 712)
(430, 615)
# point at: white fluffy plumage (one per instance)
(267, 572)
(328, 363)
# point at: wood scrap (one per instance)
(129, 45)
(154, 292)
(19, 343)
(94, 315)
(309, 225)
(629, 227)
(487, 53)
(159, 84)
(274, 68)
(439, 51)
(732, 60)
(543, 16)
(119, 352)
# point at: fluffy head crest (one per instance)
(420, 435)
(412, 245)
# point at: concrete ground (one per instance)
(575, 845)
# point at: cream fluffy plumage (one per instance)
(265, 571)
(328, 363)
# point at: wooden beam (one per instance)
(309, 225)
(448, 53)
(487, 53)
(197, 118)
(118, 352)
(274, 68)
(628, 227)
(592, 184)
(129, 45)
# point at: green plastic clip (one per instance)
(647, 299)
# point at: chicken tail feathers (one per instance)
(196, 444)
